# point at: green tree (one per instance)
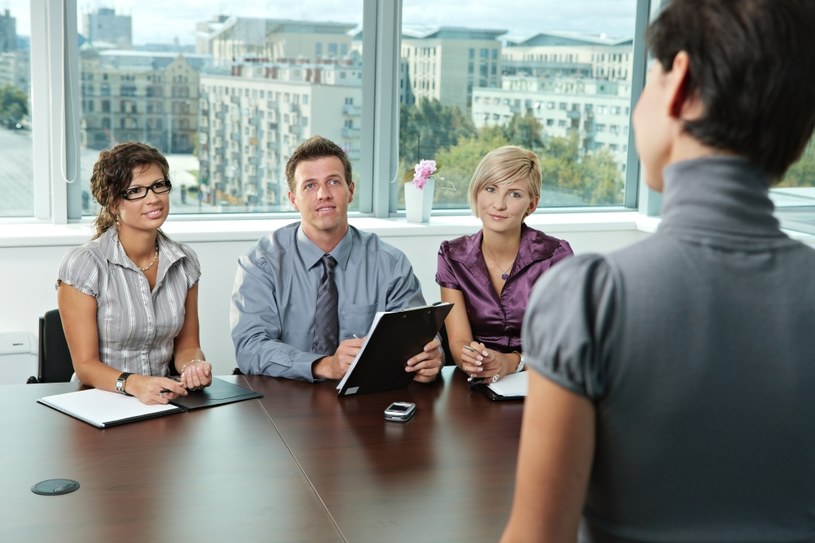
(429, 127)
(574, 178)
(13, 105)
(459, 163)
(802, 173)
(524, 131)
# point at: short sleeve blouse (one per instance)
(496, 320)
(137, 327)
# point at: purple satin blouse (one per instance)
(496, 321)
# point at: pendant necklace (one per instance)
(504, 273)
(155, 257)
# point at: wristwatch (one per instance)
(521, 363)
(120, 383)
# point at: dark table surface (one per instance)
(300, 464)
(445, 475)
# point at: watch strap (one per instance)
(120, 383)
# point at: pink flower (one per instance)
(422, 172)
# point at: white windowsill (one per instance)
(185, 230)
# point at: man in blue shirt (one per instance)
(275, 292)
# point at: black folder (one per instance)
(218, 393)
(394, 338)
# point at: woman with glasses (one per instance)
(129, 297)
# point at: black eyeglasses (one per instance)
(137, 193)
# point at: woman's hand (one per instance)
(154, 390)
(196, 374)
(482, 363)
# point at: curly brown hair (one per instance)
(113, 173)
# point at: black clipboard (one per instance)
(394, 338)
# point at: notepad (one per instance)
(104, 409)
(510, 387)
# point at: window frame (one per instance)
(56, 96)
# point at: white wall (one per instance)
(30, 256)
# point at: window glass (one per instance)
(17, 180)
(225, 96)
(555, 80)
(794, 196)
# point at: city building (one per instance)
(570, 54)
(104, 28)
(8, 32)
(251, 120)
(596, 110)
(447, 63)
(235, 39)
(145, 96)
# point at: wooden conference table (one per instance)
(300, 464)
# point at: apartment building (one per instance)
(252, 119)
(134, 95)
(597, 110)
(232, 40)
(448, 63)
(104, 27)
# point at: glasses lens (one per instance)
(134, 193)
(161, 186)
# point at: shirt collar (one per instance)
(115, 253)
(534, 247)
(312, 255)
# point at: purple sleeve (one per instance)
(445, 277)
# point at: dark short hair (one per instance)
(752, 63)
(113, 173)
(313, 148)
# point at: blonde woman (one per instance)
(489, 275)
(129, 297)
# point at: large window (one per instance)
(556, 81)
(15, 111)
(228, 95)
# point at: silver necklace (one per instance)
(155, 257)
(504, 273)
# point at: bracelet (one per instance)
(521, 362)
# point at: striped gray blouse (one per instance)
(137, 326)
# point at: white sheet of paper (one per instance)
(514, 384)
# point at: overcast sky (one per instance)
(163, 20)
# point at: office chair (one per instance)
(54, 358)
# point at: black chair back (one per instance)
(54, 358)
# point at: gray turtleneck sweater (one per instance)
(697, 348)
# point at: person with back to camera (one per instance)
(672, 393)
(129, 297)
(281, 324)
(484, 324)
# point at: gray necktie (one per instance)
(326, 321)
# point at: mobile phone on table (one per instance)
(400, 411)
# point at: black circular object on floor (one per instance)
(54, 487)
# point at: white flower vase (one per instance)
(419, 202)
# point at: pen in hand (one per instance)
(473, 380)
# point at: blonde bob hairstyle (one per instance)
(503, 166)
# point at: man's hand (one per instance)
(427, 364)
(335, 366)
